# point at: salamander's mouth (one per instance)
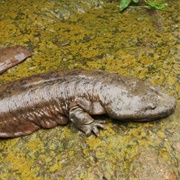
(150, 112)
(156, 112)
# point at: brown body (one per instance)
(11, 56)
(46, 100)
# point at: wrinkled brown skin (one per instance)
(51, 99)
(13, 55)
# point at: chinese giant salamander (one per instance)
(51, 99)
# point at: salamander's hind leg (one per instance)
(83, 121)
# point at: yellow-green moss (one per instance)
(130, 43)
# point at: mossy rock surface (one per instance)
(94, 35)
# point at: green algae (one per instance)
(132, 43)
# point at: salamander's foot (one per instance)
(92, 127)
(83, 121)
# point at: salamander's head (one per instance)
(137, 100)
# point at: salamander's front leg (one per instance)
(83, 121)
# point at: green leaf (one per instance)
(124, 4)
(135, 1)
(156, 5)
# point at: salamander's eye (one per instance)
(153, 107)
(150, 107)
